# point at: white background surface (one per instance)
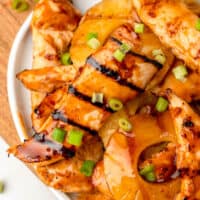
(20, 182)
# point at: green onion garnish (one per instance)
(146, 170)
(97, 98)
(197, 26)
(1, 187)
(125, 125)
(115, 104)
(151, 177)
(161, 59)
(157, 52)
(148, 173)
(87, 168)
(92, 35)
(23, 7)
(125, 48)
(75, 137)
(180, 72)
(19, 5)
(162, 104)
(65, 59)
(94, 43)
(119, 55)
(59, 135)
(139, 28)
(15, 3)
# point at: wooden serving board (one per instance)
(10, 22)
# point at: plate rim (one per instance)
(12, 93)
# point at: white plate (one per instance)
(15, 175)
(20, 59)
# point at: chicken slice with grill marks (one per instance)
(59, 164)
(65, 175)
(53, 24)
(132, 71)
(103, 74)
(110, 76)
(187, 89)
(174, 24)
(47, 79)
(43, 111)
(187, 126)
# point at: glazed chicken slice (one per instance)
(187, 126)
(47, 79)
(59, 164)
(103, 74)
(132, 71)
(43, 111)
(175, 25)
(53, 24)
(110, 76)
(188, 88)
(65, 175)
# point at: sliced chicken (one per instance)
(65, 175)
(187, 89)
(47, 79)
(175, 25)
(43, 111)
(53, 24)
(118, 167)
(111, 77)
(99, 179)
(187, 126)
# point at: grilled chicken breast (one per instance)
(53, 24)
(187, 126)
(47, 79)
(187, 89)
(65, 175)
(174, 24)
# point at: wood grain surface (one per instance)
(10, 22)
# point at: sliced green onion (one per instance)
(151, 177)
(1, 187)
(125, 125)
(22, 6)
(162, 104)
(157, 52)
(125, 48)
(180, 72)
(92, 35)
(197, 26)
(75, 137)
(115, 104)
(139, 28)
(161, 59)
(87, 168)
(97, 98)
(15, 3)
(59, 135)
(65, 59)
(146, 170)
(94, 43)
(119, 55)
